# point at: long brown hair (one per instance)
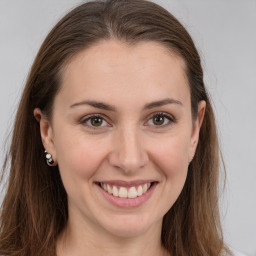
(35, 210)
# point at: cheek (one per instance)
(172, 157)
(78, 156)
(171, 160)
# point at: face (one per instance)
(123, 135)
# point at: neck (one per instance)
(87, 239)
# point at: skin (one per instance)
(129, 145)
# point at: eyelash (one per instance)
(90, 117)
(170, 119)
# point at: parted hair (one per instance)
(35, 210)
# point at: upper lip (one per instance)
(123, 183)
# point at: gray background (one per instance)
(225, 33)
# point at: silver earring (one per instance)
(48, 157)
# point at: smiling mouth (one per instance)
(126, 191)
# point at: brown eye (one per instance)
(158, 119)
(96, 121)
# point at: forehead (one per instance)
(109, 54)
(108, 68)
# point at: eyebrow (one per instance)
(95, 104)
(104, 106)
(162, 103)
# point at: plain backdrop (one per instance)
(225, 34)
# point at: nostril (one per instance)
(127, 163)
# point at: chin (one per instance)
(131, 226)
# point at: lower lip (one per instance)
(128, 202)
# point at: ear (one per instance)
(196, 129)
(46, 132)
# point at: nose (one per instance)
(128, 152)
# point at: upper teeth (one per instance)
(124, 192)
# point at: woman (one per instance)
(114, 148)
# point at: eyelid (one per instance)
(88, 117)
(171, 119)
(149, 117)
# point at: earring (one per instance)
(49, 160)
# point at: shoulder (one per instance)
(237, 253)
